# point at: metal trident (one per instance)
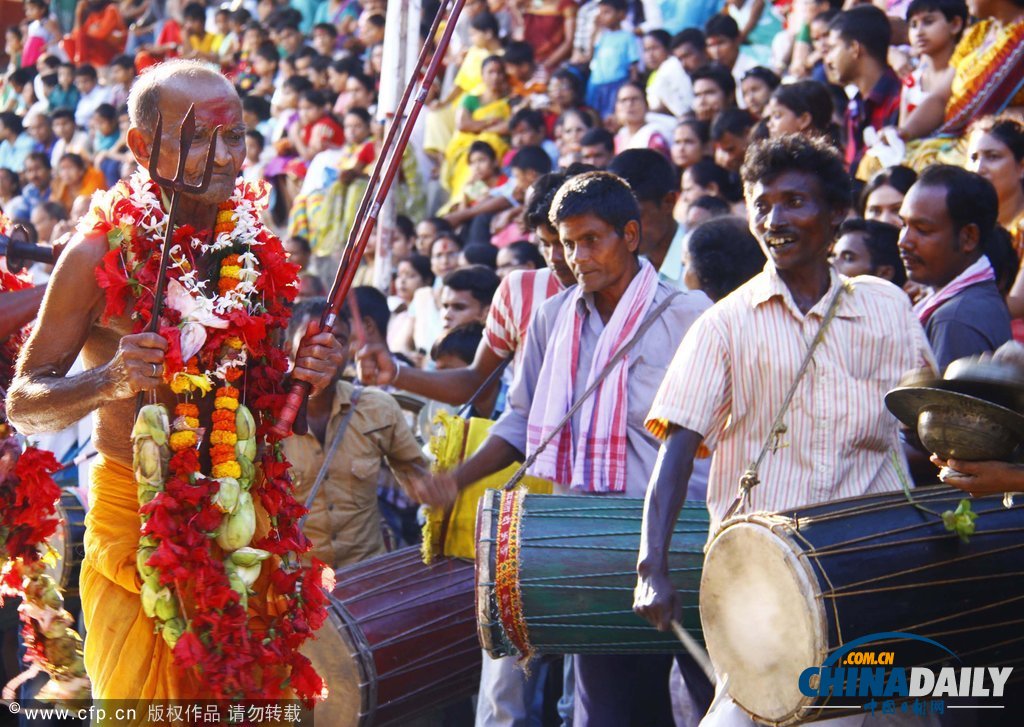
(175, 186)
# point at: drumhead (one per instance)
(486, 616)
(763, 620)
(337, 660)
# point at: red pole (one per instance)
(366, 217)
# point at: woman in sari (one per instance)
(483, 115)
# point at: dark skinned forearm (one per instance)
(665, 496)
(18, 307)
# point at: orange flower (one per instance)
(233, 373)
(227, 391)
(225, 285)
(223, 415)
(223, 426)
(229, 260)
(222, 453)
(185, 409)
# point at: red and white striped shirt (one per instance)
(518, 296)
(735, 366)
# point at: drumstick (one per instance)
(695, 650)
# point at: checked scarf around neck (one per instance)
(978, 272)
(600, 445)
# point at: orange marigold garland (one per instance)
(197, 558)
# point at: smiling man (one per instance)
(948, 217)
(735, 366)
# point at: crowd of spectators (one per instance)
(528, 88)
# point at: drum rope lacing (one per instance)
(749, 479)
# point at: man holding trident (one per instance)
(176, 603)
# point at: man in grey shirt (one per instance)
(606, 449)
(949, 217)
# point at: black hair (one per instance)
(701, 128)
(867, 25)
(360, 113)
(447, 235)
(766, 160)
(1007, 130)
(256, 105)
(598, 136)
(526, 252)
(572, 79)
(1005, 261)
(314, 97)
(485, 22)
(194, 11)
(77, 159)
(732, 120)
(951, 10)
(241, 16)
(481, 253)
(268, 51)
(405, 226)
(55, 210)
(602, 194)
(86, 70)
(41, 157)
(302, 242)
(970, 198)
(765, 75)
(12, 122)
(124, 61)
(581, 114)
(347, 65)
(106, 111)
(724, 255)
(541, 193)
(460, 342)
(421, 264)
(500, 60)
(720, 76)
(373, 304)
(518, 52)
(441, 225)
(722, 26)
(531, 117)
(808, 97)
(319, 63)
(898, 177)
(714, 206)
(619, 5)
(531, 158)
(825, 16)
(256, 136)
(706, 172)
(690, 36)
(882, 243)
(482, 147)
(479, 281)
(660, 36)
(62, 113)
(649, 174)
(298, 84)
(328, 28)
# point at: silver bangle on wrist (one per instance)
(398, 368)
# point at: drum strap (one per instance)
(648, 322)
(339, 434)
(749, 479)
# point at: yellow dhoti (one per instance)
(124, 656)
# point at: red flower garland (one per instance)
(223, 645)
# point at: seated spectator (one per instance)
(70, 139)
(528, 128)
(10, 188)
(638, 128)
(45, 217)
(730, 134)
(412, 273)
(525, 81)
(36, 189)
(669, 90)
(425, 309)
(105, 137)
(569, 131)
(690, 143)
(756, 89)
(690, 47)
(804, 107)
(996, 152)
(520, 255)
(38, 126)
(868, 247)
(99, 34)
(65, 94)
(92, 94)
(714, 90)
(428, 230)
(15, 143)
(455, 350)
(75, 178)
(705, 178)
(199, 44)
(759, 28)
(705, 208)
(723, 47)
(548, 26)
(529, 164)
(466, 295)
(122, 75)
(597, 147)
(883, 195)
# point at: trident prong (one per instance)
(175, 186)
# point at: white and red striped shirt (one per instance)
(735, 366)
(518, 296)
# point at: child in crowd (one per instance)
(485, 175)
(935, 27)
(614, 58)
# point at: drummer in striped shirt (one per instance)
(733, 370)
